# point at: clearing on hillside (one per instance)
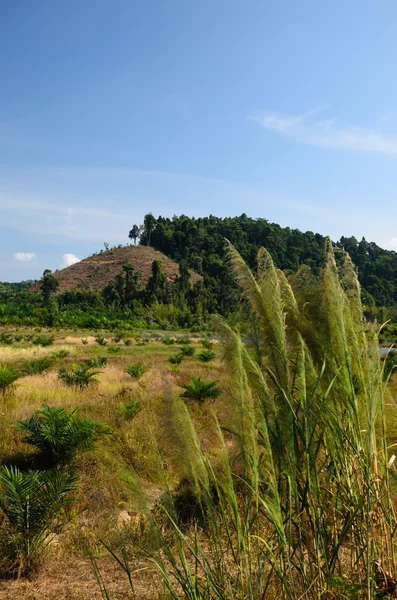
(98, 270)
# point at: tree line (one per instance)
(200, 243)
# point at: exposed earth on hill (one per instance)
(98, 270)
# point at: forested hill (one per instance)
(200, 243)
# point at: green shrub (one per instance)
(8, 376)
(129, 410)
(113, 349)
(128, 341)
(39, 365)
(58, 434)
(200, 390)
(96, 361)
(207, 344)
(5, 338)
(61, 353)
(32, 503)
(43, 340)
(79, 375)
(136, 370)
(176, 359)
(188, 350)
(84, 341)
(169, 341)
(100, 340)
(206, 356)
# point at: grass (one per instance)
(283, 486)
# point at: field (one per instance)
(107, 503)
(252, 468)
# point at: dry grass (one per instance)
(125, 463)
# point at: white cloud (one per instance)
(393, 243)
(327, 133)
(69, 259)
(24, 256)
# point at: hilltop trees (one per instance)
(134, 233)
(200, 243)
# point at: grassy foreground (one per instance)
(282, 486)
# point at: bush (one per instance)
(96, 361)
(176, 359)
(128, 341)
(79, 375)
(169, 341)
(34, 367)
(32, 502)
(207, 344)
(43, 340)
(200, 390)
(84, 341)
(129, 410)
(59, 434)
(100, 340)
(188, 350)
(5, 338)
(114, 349)
(206, 356)
(136, 370)
(8, 376)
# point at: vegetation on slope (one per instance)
(200, 243)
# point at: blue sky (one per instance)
(108, 110)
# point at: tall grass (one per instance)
(297, 495)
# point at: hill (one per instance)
(97, 271)
(200, 243)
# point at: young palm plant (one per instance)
(32, 503)
(200, 390)
(79, 375)
(176, 359)
(206, 356)
(37, 366)
(8, 376)
(136, 370)
(187, 350)
(59, 434)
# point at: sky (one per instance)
(109, 110)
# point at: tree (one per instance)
(49, 284)
(131, 288)
(149, 223)
(155, 285)
(134, 233)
